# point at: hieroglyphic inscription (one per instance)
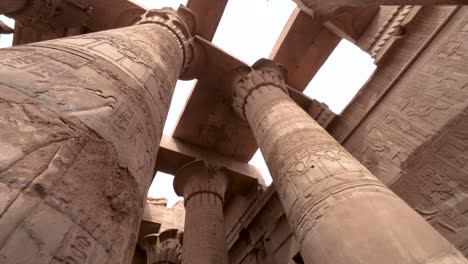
(77, 250)
(435, 182)
(310, 170)
(433, 91)
(97, 126)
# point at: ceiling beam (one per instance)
(306, 42)
(303, 47)
(174, 153)
(208, 14)
(324, 10)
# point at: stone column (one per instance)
(81, 119)
(203, 188)
(339, 211)
(165, 248)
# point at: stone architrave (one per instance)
(203, 188)
(165, 248)
(330, 8)
(339, 211)
(81, 119)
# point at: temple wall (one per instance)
(408, 124)
(265, 236)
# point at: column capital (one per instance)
(245, 80)
(183, 26)
(164, 248)
(200, 177)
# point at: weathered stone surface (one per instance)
(330, 199)
(80, 122)
(203, 188)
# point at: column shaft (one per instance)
(203, 189)
(81, 119)
(339, 211)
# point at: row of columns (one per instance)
(79, 122)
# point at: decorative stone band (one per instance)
(198, 177)
(247, 79)
(181, 24)
(165, 248)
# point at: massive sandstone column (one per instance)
(339, 211)
(164, 248)
(203, 188)
(81, 119)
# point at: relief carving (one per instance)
(82, 130)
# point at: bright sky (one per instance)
(248, 31)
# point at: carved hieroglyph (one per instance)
(408, 138)
(435, 182)
(339, 211)
(80, 123)
(163, 248)
(203, 188)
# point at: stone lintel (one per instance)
(307, 42)
(208, 14)
(352, 24)
(174, 153)
(201, 117)
(304, 45)
(326, 10)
